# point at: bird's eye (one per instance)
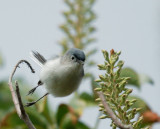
(72, 57)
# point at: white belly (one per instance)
(59, 80)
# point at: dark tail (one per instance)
(38, 58)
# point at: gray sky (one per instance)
(132, 26)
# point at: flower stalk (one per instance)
(113, 94)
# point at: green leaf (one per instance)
(5, 96)
(68, 118)
(81, 125)
(45, 110)
(68, 124)
(145, 79)
(78, 104)
(129, 72)
(66, 111)
(62, 111)
(80, 101)
(11, 120)
(87, 98)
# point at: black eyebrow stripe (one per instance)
(83, 59)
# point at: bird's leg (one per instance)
(32, 90)
(32, 103)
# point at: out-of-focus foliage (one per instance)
(140, 103)
(136, 80)
(68, 118)
(1, 62)
(78, 26)
(5, 99)
(149, 117)
(129, 72)
(145, 79)
(41, 115)
(8, 116)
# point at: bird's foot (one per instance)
(30, 104)
(32, 91)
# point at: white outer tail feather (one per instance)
(35, 59)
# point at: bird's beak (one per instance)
(81, 62)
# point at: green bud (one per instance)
(102, 84)
(133, 101)
(98, 99)
(124, 96)
(140, 119)
(132, 114)
(120, 64)
(97, 80)
(123, 99)
(114, 60)
(114, 126)
(125, 116)
(118, 53)
(111, 100)
(125, 108)
(102, 117)
(122, 84)
(117, 74)
(101, 105)
(101, 109)
(107, 77)
(108, 95)
(127, 78)
(129, 91)
(98, 89)
(108, 68)
(106, 55)
(138, 109)
(130, 104)
(102, 77)
(119, 108)
(137, 123)
(101, 67)
(127, 102)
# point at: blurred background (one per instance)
(132, 27)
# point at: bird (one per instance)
(61, 76)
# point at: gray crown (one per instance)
(79, 54)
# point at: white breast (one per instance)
(60, 80)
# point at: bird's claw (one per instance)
(31, 91)
(30, 104)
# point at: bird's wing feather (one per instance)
(38, 58)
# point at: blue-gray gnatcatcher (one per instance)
(61, 76)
